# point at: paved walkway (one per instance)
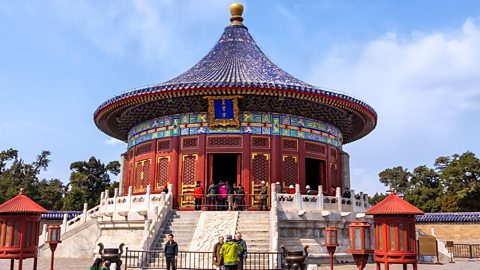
(459, 265)
(83, 264)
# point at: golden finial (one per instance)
(21, 190)
(392, 190)
(236, 9)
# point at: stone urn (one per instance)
(295, 259)
(113, 255)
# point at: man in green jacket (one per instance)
(229, 251)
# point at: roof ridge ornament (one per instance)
(236, 9)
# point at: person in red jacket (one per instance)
(197, 195)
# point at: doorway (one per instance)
(224, 167)
(315, 173)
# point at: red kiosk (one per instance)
(395, 241)
(19, 229)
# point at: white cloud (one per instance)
(154, 29)
(114, 142)
(425, 88)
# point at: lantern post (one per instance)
(331, 242)
(361, 242)
(53, 240)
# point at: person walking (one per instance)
(243, 254)
(198, 194)
(263, 197)
(240, 194)
(230, 253)
(171, 252)
(217, 257)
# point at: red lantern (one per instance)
(361, 242)
(53, 240)
(331, 242)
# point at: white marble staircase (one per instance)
(255, 228)
(182, 225)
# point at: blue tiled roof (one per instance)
(58, 215)
(235, 61)
(450, 217)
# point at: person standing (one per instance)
(212, 196)
(263, 197)
(279, 187)
(198, 194)
(230, 196)
(230, 253)
(240, 194)
(223, 195)
(243, 254)
(217, 258)
(171, 252)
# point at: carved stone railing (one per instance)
(157, 205)
(321, 202)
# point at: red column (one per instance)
(246, 163)
(301, 164)
(276, 164)
(202, 160)
(174, 166)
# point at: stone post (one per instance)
(170, 191)
(320, 197)
(129, 198)
(298, 197)
(147, 197)
(274, 219)
(85, 212)
(107, 195)
(339, 198)
(115, 195)
(64, 224)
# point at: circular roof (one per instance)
(235, 65)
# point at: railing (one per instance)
(141, 204)
(465, 250)
(217, 202)
(155, 259)
(322, 202)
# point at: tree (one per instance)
(396, 178)
(15, 173)
(87, 181)
(378, 197)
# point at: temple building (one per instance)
(237, 117)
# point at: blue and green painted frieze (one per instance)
(250, 123)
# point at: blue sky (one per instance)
(416, 62)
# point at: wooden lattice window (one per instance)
(189, 142)
(289, 145)
(189, 169)
(142, 175)
(290, 170)
(260, 168)
(315, 148)
(162, 172)
(143, 149)
(260, 142)
(163, 145)
(225, 141)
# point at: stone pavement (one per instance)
(83, 264)
(460, 264)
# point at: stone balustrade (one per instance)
(320, 202)
(117, 205)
